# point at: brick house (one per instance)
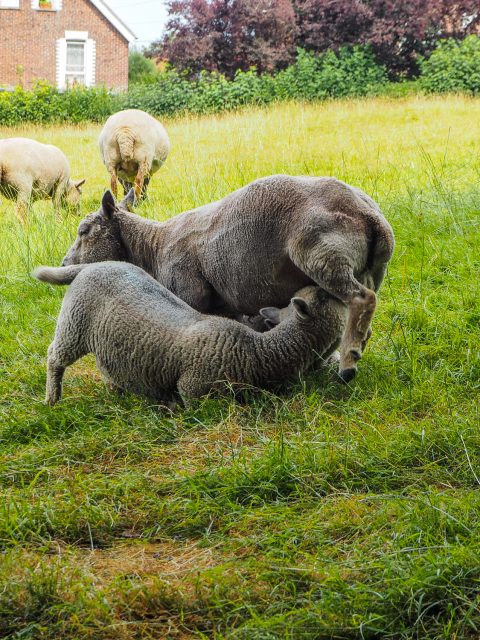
(62, 42)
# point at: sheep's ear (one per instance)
(301, 308)
(271, 316)
(108, 204)
(129, 201)
(79, 183)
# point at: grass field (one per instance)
(329, 512)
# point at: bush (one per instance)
(453, 67)
(46, 105)
(350, 72)
(141, 69)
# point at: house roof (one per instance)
(114, 19)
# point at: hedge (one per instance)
(351, 72)
(454, 66)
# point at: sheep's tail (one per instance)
(126, 143)
(58, 275)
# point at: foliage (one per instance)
(228, 35)
(453, 66)
(350, 72)
(331, 511)
(141, 69)
(224, 36)
(45, 104)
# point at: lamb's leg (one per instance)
(59, 357)
(333, 273)
(191, 386)
(55, 373)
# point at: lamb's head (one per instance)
(71, 198)
(309, 305)
(98, 235)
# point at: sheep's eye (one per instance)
(83, 229)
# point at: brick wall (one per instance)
(28, 43)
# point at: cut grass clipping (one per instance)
(327, 512)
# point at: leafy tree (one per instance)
(140, 68)
(227, 35)
(396, 31)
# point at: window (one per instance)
(75, 66)
(47, 5)
(9, 4)
(75, 60)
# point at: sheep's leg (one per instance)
(142, 174)
(126, 186)
(22, 204)
(113, 181)
(143, 195)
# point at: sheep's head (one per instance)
(72, 196)
(98, 235)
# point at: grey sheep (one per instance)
(148, 341)
(31, 170)
(133, 146)
(255, 248)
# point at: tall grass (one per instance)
(328, 512)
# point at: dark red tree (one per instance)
(396, 30)
(226, 35)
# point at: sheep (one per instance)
(30, 170)
(255, 248)
(133, 146)
(148, 341)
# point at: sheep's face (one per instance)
(73, 195)
(98, 236)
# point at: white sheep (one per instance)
(147, 340)
(31, 170)
(133, 146)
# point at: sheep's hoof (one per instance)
(347, 375)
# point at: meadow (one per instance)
(329, 511)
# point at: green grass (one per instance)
(327, 512)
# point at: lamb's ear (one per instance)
(108, 204)
(271, 316)
(78, 183)
(301, 309)
(129, 201)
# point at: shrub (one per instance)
(350, 72)
(454, 66)
(141, 69)
(46, 105)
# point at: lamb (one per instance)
(30, 170)
(255, 248)
(148, 341)
(133, 146)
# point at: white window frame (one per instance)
(56, 5)
(90, 57)
(9, 4)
